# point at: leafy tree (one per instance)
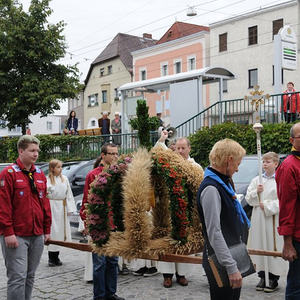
(31, 78)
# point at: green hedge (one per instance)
(274, 137)
(65, 148)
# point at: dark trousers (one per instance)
(292, 291)
(290, 117)
(216, 293)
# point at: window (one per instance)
(16, 129)
(277, 24)
(191, 63)
(252, 35)
(273, 76)
(93, 123)
(104, 96)
(225, 86)
(223, 42)
(143, 75)
(109, 69)
(93, 100)
(164, 70)
(101, 72)
(252, 76)
(49, 125)
(177, 67)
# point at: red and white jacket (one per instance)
(293, 100)
(23, 212)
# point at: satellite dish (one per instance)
(191, 11)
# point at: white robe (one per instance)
(276, 265)
(56, 194)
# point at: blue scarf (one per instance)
(239, 209)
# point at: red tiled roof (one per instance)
(181, 29)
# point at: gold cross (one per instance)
(257, 97)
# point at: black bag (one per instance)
(244, 264)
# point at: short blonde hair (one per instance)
(25, 140)
(223, 149)
(271, 155)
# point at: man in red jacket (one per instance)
(288, 190)
(25, 218)
(291, 103)
(105, 268)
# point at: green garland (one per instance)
(105, 203)
(181, 200)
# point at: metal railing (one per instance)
(89, 147)
(239, 111)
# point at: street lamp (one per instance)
(191, 11)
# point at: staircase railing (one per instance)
(239, 111)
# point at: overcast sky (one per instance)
(92, 24)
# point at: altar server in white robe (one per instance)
(62, 205)
(266, 210)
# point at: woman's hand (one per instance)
(235, 280)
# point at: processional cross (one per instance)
(257, 98)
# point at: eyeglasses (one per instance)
(296, 137)
(112, 153)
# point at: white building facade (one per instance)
(245, 46)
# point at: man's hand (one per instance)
(11, 241)
(260, 188)
(46, 238)
(163, 136)
(235, 280)
(289, 252)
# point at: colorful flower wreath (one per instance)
(181, 200)
(105, 203)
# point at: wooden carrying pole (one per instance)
(167, 258)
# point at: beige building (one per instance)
(111, 69)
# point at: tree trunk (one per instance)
(23, 128)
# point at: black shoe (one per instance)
(114, 297)
(51, 263)
(261, 285)
(140, 272)
(151, 272)
(272, 286)
(58, 262)
(124, 271)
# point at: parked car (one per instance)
(74, 218)
(248, 169)
(76, 173)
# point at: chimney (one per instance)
(147, 36)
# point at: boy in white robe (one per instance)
(266, 209)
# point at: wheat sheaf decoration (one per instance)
(148, 208)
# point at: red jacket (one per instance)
(90, 177)
(293, 99)
(22, 212)
(288, 190)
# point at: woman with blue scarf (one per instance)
(222, 216)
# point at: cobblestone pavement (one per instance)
(66, 282)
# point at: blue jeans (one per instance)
(105, 272)
(292, 291)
